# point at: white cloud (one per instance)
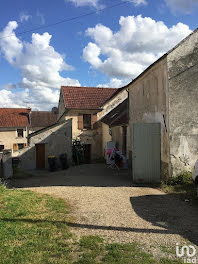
(41, 17)
(11, 46)
(127, 52)
(115, 83)
(10, 99)
(138, 2)
(40, 66)
(185, 6)
(96, 3)
(78, 3)
(24, 17)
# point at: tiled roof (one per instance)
(42, 118)
(86, 97)
(14, 117)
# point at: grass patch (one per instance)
(168, 250)
(94, 251)
(94, 243)
(91, 250)
(127, 253)
(33, 230)
(183, 186)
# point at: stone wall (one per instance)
(148, 104)
(183, 104)
(7, 164)
(117, 136)
(57, 140)
(105, 137)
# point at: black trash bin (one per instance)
(63, 161)
(52, 163)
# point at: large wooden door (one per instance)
(146, 152)
(40, 156)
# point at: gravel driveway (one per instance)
(105, 204)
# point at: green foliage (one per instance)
(91, 242)
(127, 253)
(183, 179)
(183, 186)
(77, 151)
(33, 228)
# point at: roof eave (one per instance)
(82, 109)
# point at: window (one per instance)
(20, 133)
(87, 121)
(1, 147)
(20, 146)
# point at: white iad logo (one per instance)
(187, 252)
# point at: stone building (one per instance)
(163, 114)
(53, 140)
(85, 105)
(17, 123)
(14, 128)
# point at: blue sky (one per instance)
(107, 49)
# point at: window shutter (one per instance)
(15, 147)
(80, 122)
(94, 121)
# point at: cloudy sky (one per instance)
(106, 48)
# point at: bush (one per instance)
(183, 179)
(77, 151)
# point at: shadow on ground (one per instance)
(169, 212)
(88, 226)
(96, 175)
(166, 211)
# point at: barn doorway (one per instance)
(87, 153)
(40, 156)
(146, 152)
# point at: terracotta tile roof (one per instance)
(86, 97)
(42, 118)
(14, 117)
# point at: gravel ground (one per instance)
(119, 212)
